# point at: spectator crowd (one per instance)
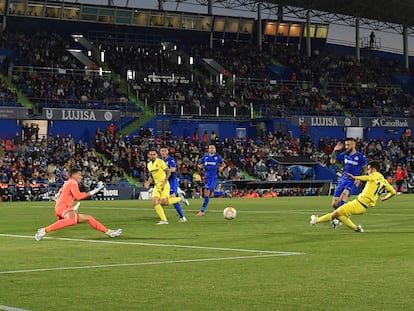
(32, 161)
(324, 84)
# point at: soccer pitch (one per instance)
(268, 258)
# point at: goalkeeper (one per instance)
(67, 214)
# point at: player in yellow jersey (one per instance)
(159, 174)
(375, 185)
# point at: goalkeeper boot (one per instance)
(40, 234)
(114, 233)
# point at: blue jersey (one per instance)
(173, 180)
(211, 164)
(352, 164)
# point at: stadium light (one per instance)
(76, 37)
(130, 74)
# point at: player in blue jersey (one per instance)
(212, 164)
(354, 163)
(173, 180)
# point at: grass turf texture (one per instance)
(148, 268)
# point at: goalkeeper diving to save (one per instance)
(67, 214)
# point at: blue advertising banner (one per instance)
(325, 121)
(80, 114)
(14, 113)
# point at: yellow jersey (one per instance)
(157, 169)
(376, 184)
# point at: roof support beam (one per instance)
(259, 29)
(357, 47)
(308, 39)
(405, 46)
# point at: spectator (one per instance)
(371, 40)
(21, 191)
(35, 191)
(399, 178)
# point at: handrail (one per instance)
(57, 70)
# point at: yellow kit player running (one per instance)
(159, 173)
(376, 184)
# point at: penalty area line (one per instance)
(143, 264)
(159, 245)
(8, 308)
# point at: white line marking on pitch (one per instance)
(7, 308)
(159, 245)
(300, 212)
(145, 263)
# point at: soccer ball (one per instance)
(229, 213)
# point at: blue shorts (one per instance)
(344, 184)
(211, 183)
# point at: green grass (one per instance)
(250, 263)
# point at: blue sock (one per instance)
(205, 203)
(341, 203)
(177, 207)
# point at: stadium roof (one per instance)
(375, 14)
(390, 11)
(383, 15)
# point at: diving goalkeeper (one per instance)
(67, 214)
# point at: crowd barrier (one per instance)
(323, 187)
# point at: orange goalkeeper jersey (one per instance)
(67, 195)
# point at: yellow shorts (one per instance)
(351, 208)
(161, 193)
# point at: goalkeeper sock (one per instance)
(97, 225)
(61, 223)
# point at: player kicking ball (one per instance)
(375, 186)
(67, 214)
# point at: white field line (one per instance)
(145, 263)
(158, 245)
(373, 211)
(7, 308)
(263, 254)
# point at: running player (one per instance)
(173, 180)
(375, 185)
(159, 173)
(212, 164)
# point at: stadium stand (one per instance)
(277, 81)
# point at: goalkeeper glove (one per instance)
(98, 188)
